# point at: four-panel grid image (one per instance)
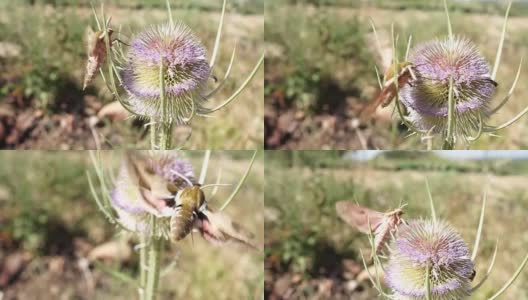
(263, 149)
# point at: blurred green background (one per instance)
(320, 67)
(42, 65)
(49, 224)
(312, 254)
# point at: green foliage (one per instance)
(38, 198)
(311, 47)
(302, 86)
(308, 158)
(305, 212)
(52, 49)
(29, 228)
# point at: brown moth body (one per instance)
(96, 53)
(369, 221)
(190, 200)
(388, 91)
(387, 227)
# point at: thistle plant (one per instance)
(429, 250)
(165, 71)
(450, 94)
(152, 198)
(428, 259)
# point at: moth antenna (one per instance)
(215, 184)
(412, 73)
(108, 21)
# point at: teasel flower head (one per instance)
(437, 63)
(128, 201)
(433, 245)
(164, 71)
(182, 58)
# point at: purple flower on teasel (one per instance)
(171, 168)
(427, 97)
(186, 71)
(126, 198)
(433, 244)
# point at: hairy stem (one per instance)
(142, 264)
(449, 141)
(153, 249)
(153, 134)
(428, 283)
(165, 122)
(153, 262)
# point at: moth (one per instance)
(153, 193)
(191, 211)
(185, 205)
(369, 221)
(96, 50)
(191, 203)
(406, 73)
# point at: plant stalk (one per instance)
(142, 265)
(153, 262)
(155, 244)
(153, 134)
(166, 123)
(449, 141)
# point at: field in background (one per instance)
(49, 221)
(312, 254)
(241, 6)
(320, 68)
(42, 63)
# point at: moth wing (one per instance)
(146, 177)
(387, 227)
(156, 205)
(382, 235)
(219, 229)
(358, 216)
(382, 98)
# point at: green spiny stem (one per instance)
(155, 243)
(165, 129)
(449, 141)
(143, 265)
(153, 262)
(153, 134)
(166, 123)
(428, 283)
